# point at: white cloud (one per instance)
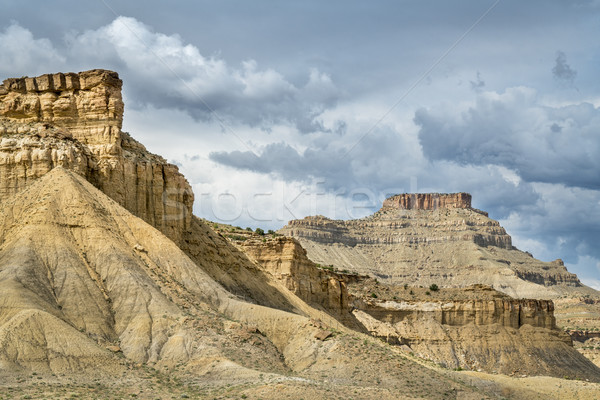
(22, 54)
(164, 71)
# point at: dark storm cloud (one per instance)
(544, 144)
(384, 164)
(564, 218)
(563, 71)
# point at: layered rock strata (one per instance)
(286, 260)
(74, 120)
(423, 239)
(506, 312)
(428, 201)
(506, 336)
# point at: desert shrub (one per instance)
(434, 287)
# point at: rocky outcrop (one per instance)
(74, 120)
(475, 328)
(286, 260)
(428, 201)
(425, 239)
(506, 312)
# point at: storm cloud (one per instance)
(514, 130)
(563, 71)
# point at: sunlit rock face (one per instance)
(74, 120)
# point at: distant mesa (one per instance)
(427, 238)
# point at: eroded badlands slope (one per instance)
(82, 280)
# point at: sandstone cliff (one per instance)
(286, 261)
(75, 120)
(475, 328)
(424, 239)
(428, 201)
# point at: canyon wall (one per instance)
(506, 312)
(74, 120)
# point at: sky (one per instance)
(278, 110)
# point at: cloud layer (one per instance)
(177, 75)
(513, 130)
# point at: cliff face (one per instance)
(286, 260)
(428, 201)
(422, 239)
(506, 312)
(75, 120)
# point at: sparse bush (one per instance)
(434, 287)
(237, 237)
(374, 295)
(249, 229)
(428, 293)
(271, 232)
(259, 231)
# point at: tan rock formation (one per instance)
(474, 328)
(428, 201)
(442, 241)
(87, 108)
(506, 312)
(286, 260)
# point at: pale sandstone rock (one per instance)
(88, 107)
(286, 260)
